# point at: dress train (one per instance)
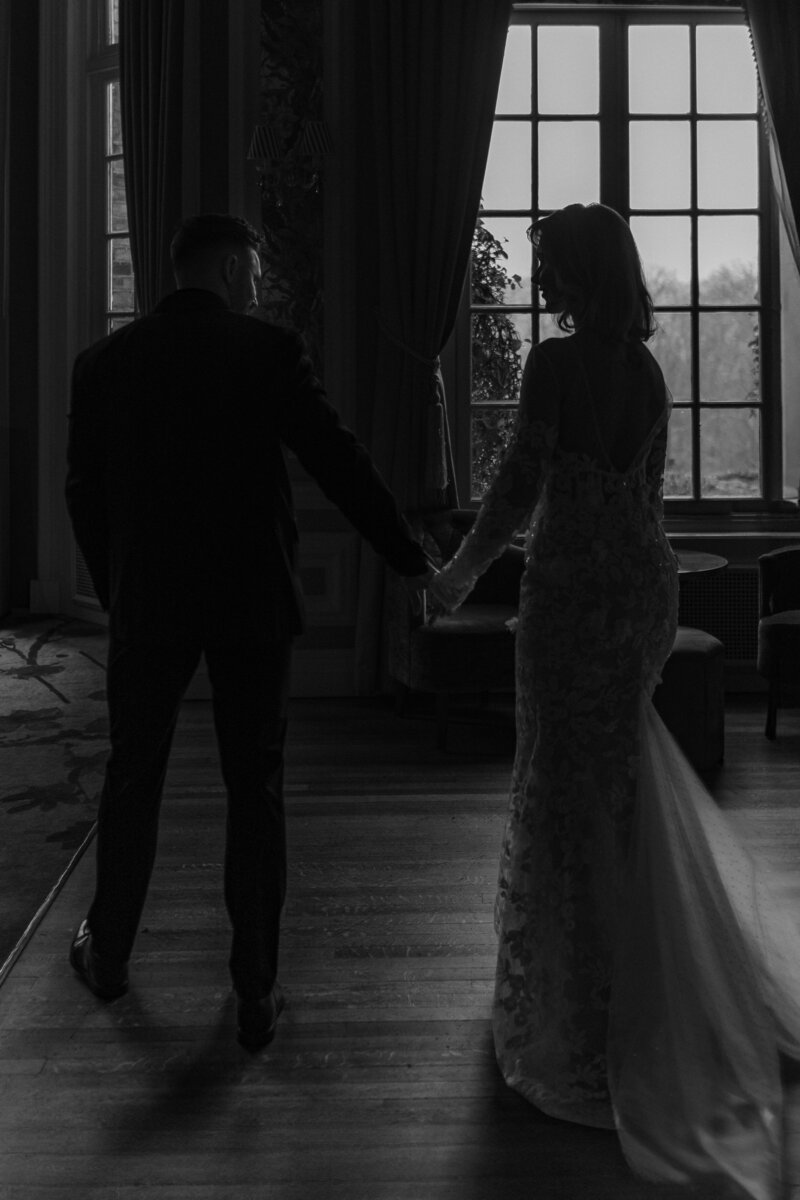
(705, 991)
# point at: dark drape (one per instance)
(775, 30)
(151, 79)
(5, 416)
(433, 69)
(5, 81)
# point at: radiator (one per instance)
(725, 604)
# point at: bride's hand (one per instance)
(443, 596)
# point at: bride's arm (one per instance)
(515, 489)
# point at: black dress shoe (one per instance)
(258, 1018)
(107, 978)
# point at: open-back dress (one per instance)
(645, 979)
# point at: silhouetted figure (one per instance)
(180, 500)
(646, 979)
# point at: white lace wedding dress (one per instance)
(645, 979)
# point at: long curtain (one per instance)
(775, 30)
(151, 81)
(5, 416)
(5, 74)
(432, 72)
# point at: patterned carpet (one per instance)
(53, 748)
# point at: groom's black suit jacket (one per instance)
(177, 482)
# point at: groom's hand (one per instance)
(415, 586)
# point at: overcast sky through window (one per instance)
(660, 169)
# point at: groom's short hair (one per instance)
(195, 236)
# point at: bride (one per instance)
(645, 980)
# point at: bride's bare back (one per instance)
(609, 397)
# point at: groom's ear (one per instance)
(230, 266)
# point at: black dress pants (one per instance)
(147, 678)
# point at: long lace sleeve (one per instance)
(515, 489)
(656, 462)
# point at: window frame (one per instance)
(102, 69)
(614, 122)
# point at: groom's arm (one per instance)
(341, 465)
(85, 488)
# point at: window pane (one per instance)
(729, 358)
(502, 258)
(120, 294)
(665, 249)
(113, 120)
(500, 345)
(672, 347)
(507, 182)
(112, 21)
(730, 452)
(678, 471)
(727, 164)
(658, 68)
(117, 215)
(569, 163)
(569, 69)
(491, 432)
(726, 73)
(514, 94)
(117, 323)
(727, 250)
(660, 171)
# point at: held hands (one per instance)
(432, 595)
(444, 595)
(416, 586)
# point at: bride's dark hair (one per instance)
(593, 252)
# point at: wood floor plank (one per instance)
(381, 1083)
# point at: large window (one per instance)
(655, 114)
(109, 300)
(119, 301)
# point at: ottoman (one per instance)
(691, 696)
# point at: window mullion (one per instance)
(770, 409)
(614, 168)
(694, 294)
(536, 319)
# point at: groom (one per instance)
(179, 496)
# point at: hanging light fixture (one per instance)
(285, 166)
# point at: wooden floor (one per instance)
(381, 1084)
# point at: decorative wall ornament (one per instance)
(288, 149)
(286, 168)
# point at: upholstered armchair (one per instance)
(470, 651)
(779, 628)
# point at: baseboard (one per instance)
(45, 596)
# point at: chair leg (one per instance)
(772, 710)
(442, 712)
